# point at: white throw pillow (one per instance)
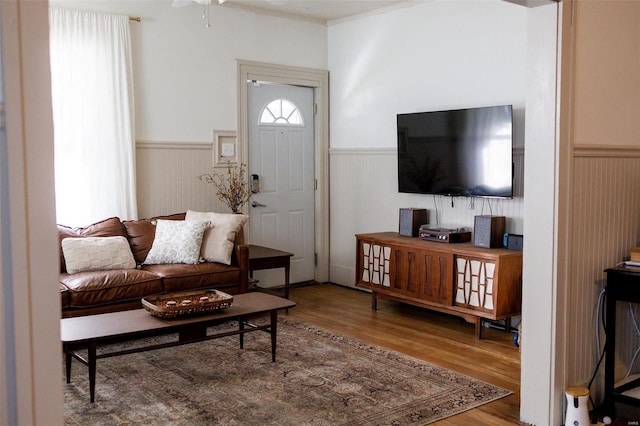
(219, 237)
(97, 254)
(176, 241)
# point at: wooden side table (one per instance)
(267, 258)
(623, 285)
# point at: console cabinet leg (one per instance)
(374, 301)
(479, 328)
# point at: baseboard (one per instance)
(342, 275)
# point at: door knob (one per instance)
(257, 204)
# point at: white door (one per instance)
(281, 156)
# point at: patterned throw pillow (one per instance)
(176, 241)
(97, 254)
(220, 235)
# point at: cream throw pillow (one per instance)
(176, 241)
(219, 237)
(97, 254)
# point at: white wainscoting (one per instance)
(365, 198)
(167, 178)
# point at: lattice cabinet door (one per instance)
(475, 283)
(375, 267)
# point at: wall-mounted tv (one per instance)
(463, 152)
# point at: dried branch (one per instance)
(232, 186)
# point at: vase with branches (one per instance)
(231, 185)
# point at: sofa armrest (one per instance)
(242, 257)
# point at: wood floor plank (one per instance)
(437, 338)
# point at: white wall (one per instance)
(429, 56)
(185, 74)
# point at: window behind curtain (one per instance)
(92, 96)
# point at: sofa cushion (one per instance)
(176, 241)
(178, 277)
(141, 233)
(220, 235)
(111, 227)
(97, 254)
(93, 288)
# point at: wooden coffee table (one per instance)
(91, 331)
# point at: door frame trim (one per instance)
(319, 81)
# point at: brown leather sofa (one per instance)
(92, 292)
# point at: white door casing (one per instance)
(319, 81)
(281, 148)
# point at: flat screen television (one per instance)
(463, 152)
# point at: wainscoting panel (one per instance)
(167, 178)
(605, 225)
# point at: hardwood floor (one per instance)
(440, 339)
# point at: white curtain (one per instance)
(93, 116)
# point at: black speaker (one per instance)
(411, 219)
(488, 231)
(514, 241)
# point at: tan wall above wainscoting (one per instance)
(607, 66)
(167, 178)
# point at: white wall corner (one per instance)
(539, 402)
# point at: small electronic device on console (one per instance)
(445, 234)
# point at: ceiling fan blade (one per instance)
(181, 3)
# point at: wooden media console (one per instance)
(471, 282)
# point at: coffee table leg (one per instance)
(241, 325)
(274, 333)
(92, 370)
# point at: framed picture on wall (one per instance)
(225, 148)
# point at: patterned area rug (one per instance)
(319, 378)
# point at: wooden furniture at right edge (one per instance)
(471, 282)
(623, 285)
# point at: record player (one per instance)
(444, 234)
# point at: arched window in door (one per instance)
(281, 112)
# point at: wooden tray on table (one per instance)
(175, 305)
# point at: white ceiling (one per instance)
(320, 11)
